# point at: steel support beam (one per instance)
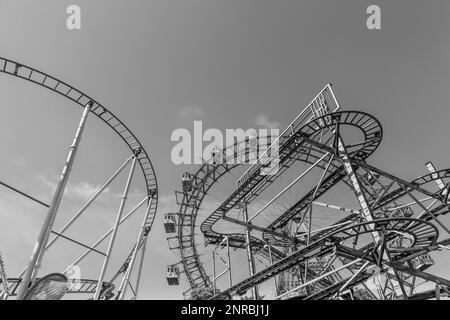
(252, 226)
(79, 213)
(250, 259)
(39, 249)
(126, 278)
(141, 266)
(115, 229)
(289, 186)
(95, 245)
(366, 211)
(318, 278)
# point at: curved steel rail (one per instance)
(327, 243)
(201, 182)
(53, 84)
(427, 232)
(291, 148)
(86, 286)
(369, 126)
(290, 151)
(390, 197)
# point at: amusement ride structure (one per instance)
(28, 285)
(320, 224)
(300, 215)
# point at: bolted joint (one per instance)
(151, 193)
(137, 151)
(16, 68)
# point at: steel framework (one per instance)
(378, 251)
(18, 286)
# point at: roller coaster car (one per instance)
(422, 262)
(186, 182)
(173, 275)
(169, 223)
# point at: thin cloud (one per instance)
(190, 113)
(262, 121)
(21, 162)
(82, 190)
(166, 199)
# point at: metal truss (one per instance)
(399, 234)
(140, 156)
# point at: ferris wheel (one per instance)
(323, 224)
(124, 282)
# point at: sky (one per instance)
(160, 65)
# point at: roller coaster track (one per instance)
(201, 183)
(324, 236)
(296, 144)
(309, 143)
(327, 244)
(24, 72)
(294, 148)
(85, 286)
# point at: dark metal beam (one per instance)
(252, 226)
(24, 194)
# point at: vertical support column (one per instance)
(438, 291)
(251, 260)
(104, 236)
(126, 278)
(81, 211)
(4, 278)
(365, 209)
(226, 262)
(39, 249)
(229, 263)
(397, 275)
(214, 270)
(141, 265)
(367, 212)
(271, 262)
(310, 211)
(115, 229)
(88, 203)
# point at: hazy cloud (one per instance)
(166, 199)
(82, 190)
(190, 113)
(262, 120)
(21, 162)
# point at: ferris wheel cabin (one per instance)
(173, 275)
(170, 222)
